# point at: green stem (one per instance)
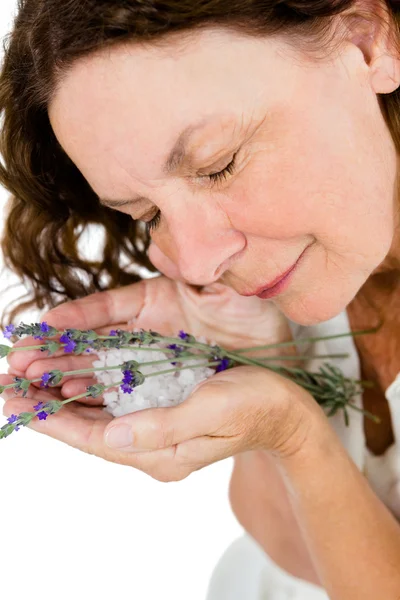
(143, 364)
(302, 357)
(310, 339)
(365, 412)
(148, 348)
(26, 348)
(207, 364)
(106, 368)
(249, 361)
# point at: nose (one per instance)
(203, 243)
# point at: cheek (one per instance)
(267, 206)
(319, 192)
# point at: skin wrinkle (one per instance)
(314, 157)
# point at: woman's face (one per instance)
(315, 165)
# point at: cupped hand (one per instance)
(241, 409)
(160, 304)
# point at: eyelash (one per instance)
(213, 178)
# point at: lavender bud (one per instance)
(95, 390)
(51, 346)
(21, 385)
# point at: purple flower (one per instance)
(44, 328)
(183, 335)
(128, 377)
(8, 331)
(12, 419)
(224, 364)
(126, 388)
(38, 406)
(128, 382)
(176, 349)
(65, 339)
(42, 415)
(45, 380)
(113, 332)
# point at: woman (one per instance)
(249, 137)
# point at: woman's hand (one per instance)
(161, 304)
(240, 409)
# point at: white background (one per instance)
(76, 526)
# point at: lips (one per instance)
(272, 284)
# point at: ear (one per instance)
(372, 29)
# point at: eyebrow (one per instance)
(175, 160)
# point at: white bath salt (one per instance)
(165, 390)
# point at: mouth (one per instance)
(280, 283)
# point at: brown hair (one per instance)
(51, 204)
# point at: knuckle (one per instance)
(185, 459)
(12, 357)
(15, 372)
(34, 371)
(164, 433)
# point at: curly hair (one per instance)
(51, 204)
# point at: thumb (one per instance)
(158, 428)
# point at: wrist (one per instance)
(315, 447)
(287, 417)
(304, 426)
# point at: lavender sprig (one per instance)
(329, 387)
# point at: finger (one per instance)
(154, 429)
(125, 326)
(66, 363)
(74, 424)
(209, 449)
(34, 393)
(99, 309)
(70, 389)
(20, 360)
(79, 386)
(15, 373)
(177, 462)
(83, 428)
(78, 426)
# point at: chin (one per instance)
(314, 308)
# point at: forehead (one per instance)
(132, 101)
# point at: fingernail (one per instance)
(119, 436)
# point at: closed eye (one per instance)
(220, 175)
(213, 177)
(154, 222)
